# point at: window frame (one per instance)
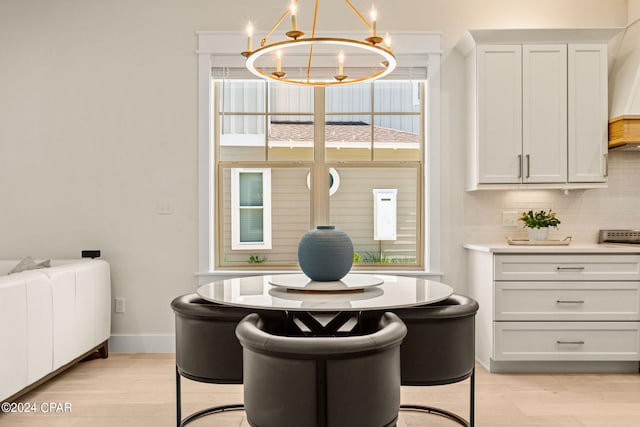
(218, 49)
(236, 244)
(374, 101)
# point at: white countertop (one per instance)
(505, 248)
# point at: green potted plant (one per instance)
(538, 223)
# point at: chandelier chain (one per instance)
(282, 18)
(362, 18)
(313, 35)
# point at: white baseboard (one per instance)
(565, 367)
(142, 344)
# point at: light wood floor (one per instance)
(138, 390)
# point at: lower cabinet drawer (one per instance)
(569, 267)
(566, 341)
(567, 301)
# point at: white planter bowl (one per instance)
(538, 233)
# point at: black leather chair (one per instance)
(207, 349)
(440, 349)
(306, 381)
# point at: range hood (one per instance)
(624, 133)
(624, 123)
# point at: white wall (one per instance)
(634, 11)
(98, 110)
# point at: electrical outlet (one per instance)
(510, 218)
(119, 305)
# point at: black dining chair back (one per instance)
(207, 349)
(440, 349)
(307, 381)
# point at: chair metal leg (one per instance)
(214, 409)
(472, 398)
(447, 414)
(178, 399)
(437, 411)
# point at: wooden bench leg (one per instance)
(104, 350)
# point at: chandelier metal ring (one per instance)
(370, 59)
(387, 59)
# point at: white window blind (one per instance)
(250, 208)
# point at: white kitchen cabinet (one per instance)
(538, 309)
(537, 109)
(544, 113)
(587, 113)
(499, 114)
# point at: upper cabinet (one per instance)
(537, 108)
(497, 115)
(544, 113)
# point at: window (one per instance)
(334, 181)
(347, 140)
(250, 209)
(380, 136)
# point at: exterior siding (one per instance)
(290, 214)
(351, 211)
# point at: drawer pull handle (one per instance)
(566, 301)
(569, 268)
(571, 342)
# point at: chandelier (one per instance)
(320, 61)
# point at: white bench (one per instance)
(51, 318)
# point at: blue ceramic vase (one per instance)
(325, 254)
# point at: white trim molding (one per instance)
(218, 49)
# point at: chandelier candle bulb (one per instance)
(294, 21)
(374, 15)
(249, 37)
(340, 76)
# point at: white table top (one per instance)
(257, 292)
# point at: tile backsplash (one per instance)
(582, 212)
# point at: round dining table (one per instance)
(309, 302)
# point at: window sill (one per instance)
(208, 276)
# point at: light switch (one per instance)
(119, 305)
(165, 207)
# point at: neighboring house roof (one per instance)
(341, 134)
